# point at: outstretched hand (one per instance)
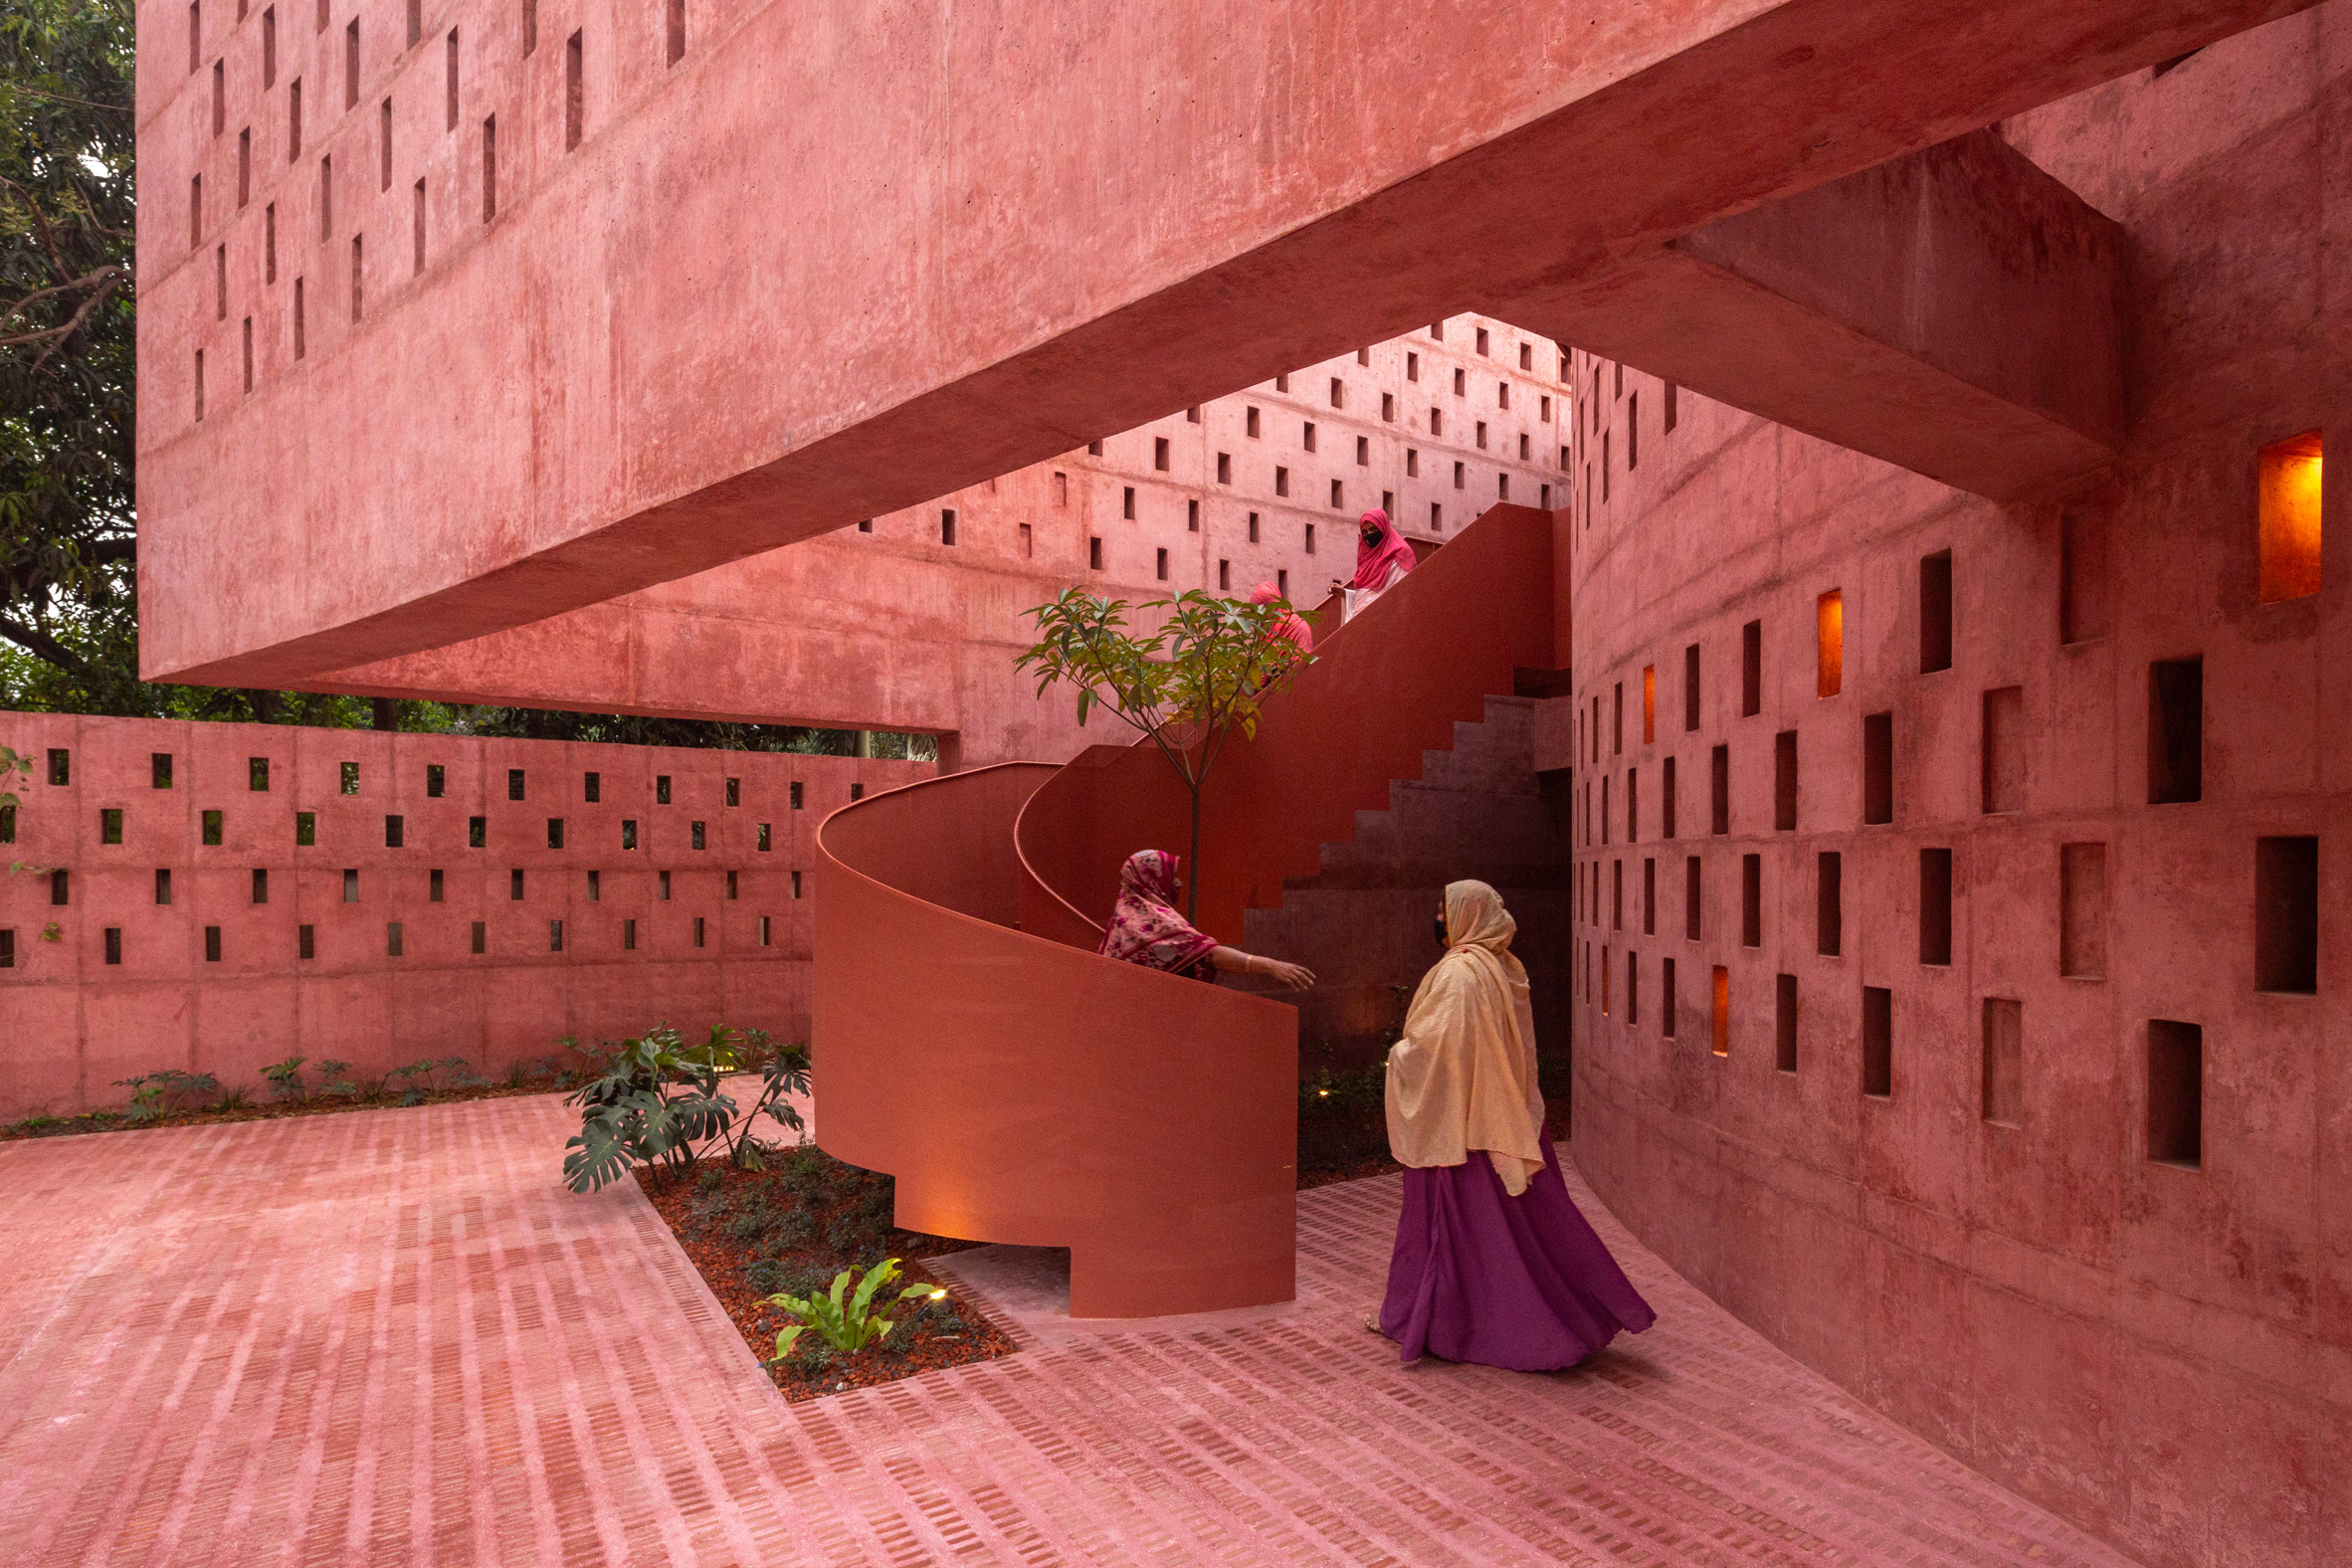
(1293, 977)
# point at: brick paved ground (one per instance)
(392, 1338)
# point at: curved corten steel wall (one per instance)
(1024, 1091)
(1383, 689)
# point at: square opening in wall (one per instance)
(2003, 1066)
(1877, 1042)
(2289, 511)
(2176, 731)
(2286, 916)
(2176, 1093)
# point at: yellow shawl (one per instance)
(1462, 1076)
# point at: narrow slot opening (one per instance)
(1723, 1011)
(1784, 781)
(2004, 1068)
(1722, 789)
(575, 98)
(1751, 670)
(1935, 906)
(2176, 1093)
(2082, 576)
(1784, 1023)
(1666, 799)
(1751, 901)
(1690, 688)
(1649, 896)
(1879, 768)
(2286, 916)
(2082, 911)
(1935, 612)
(1665, 998)
(2289, 514)
(1830, 638)
(1877, 1042)
(1692, 906)
(2176, 731)
(1830, 904)
(2002, 757)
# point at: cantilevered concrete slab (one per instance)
(576, 315)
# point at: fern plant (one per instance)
(845, 1318)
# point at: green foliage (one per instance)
(658, 1100)
(286, 1079)
(67, 324)
(335, 1080)
(157, 1095)
(844, 1318)
(12, 763)
(1187, 686)
(420, 1079)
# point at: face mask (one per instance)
(1370, 538)
(1440, 932)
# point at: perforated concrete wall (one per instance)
(226, 896)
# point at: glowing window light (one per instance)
(2289, 511)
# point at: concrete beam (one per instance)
(1954, 311)
(834, 262)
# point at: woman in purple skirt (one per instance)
(1493, 1262)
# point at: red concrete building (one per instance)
(1939, 566)
(1962, 956)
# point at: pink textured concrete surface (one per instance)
(915, 625)
(1361, 922)
(2022, 1111)
(390, 1337)
(171, 861)
(521, 253)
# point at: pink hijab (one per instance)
(1289, 626)
(1374, 560)
(1145, 925)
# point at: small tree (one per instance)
(1188, 686)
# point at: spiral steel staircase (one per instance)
(1021, 1089)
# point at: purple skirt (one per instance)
(1518, 1283)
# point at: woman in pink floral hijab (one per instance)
(1146, 929)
